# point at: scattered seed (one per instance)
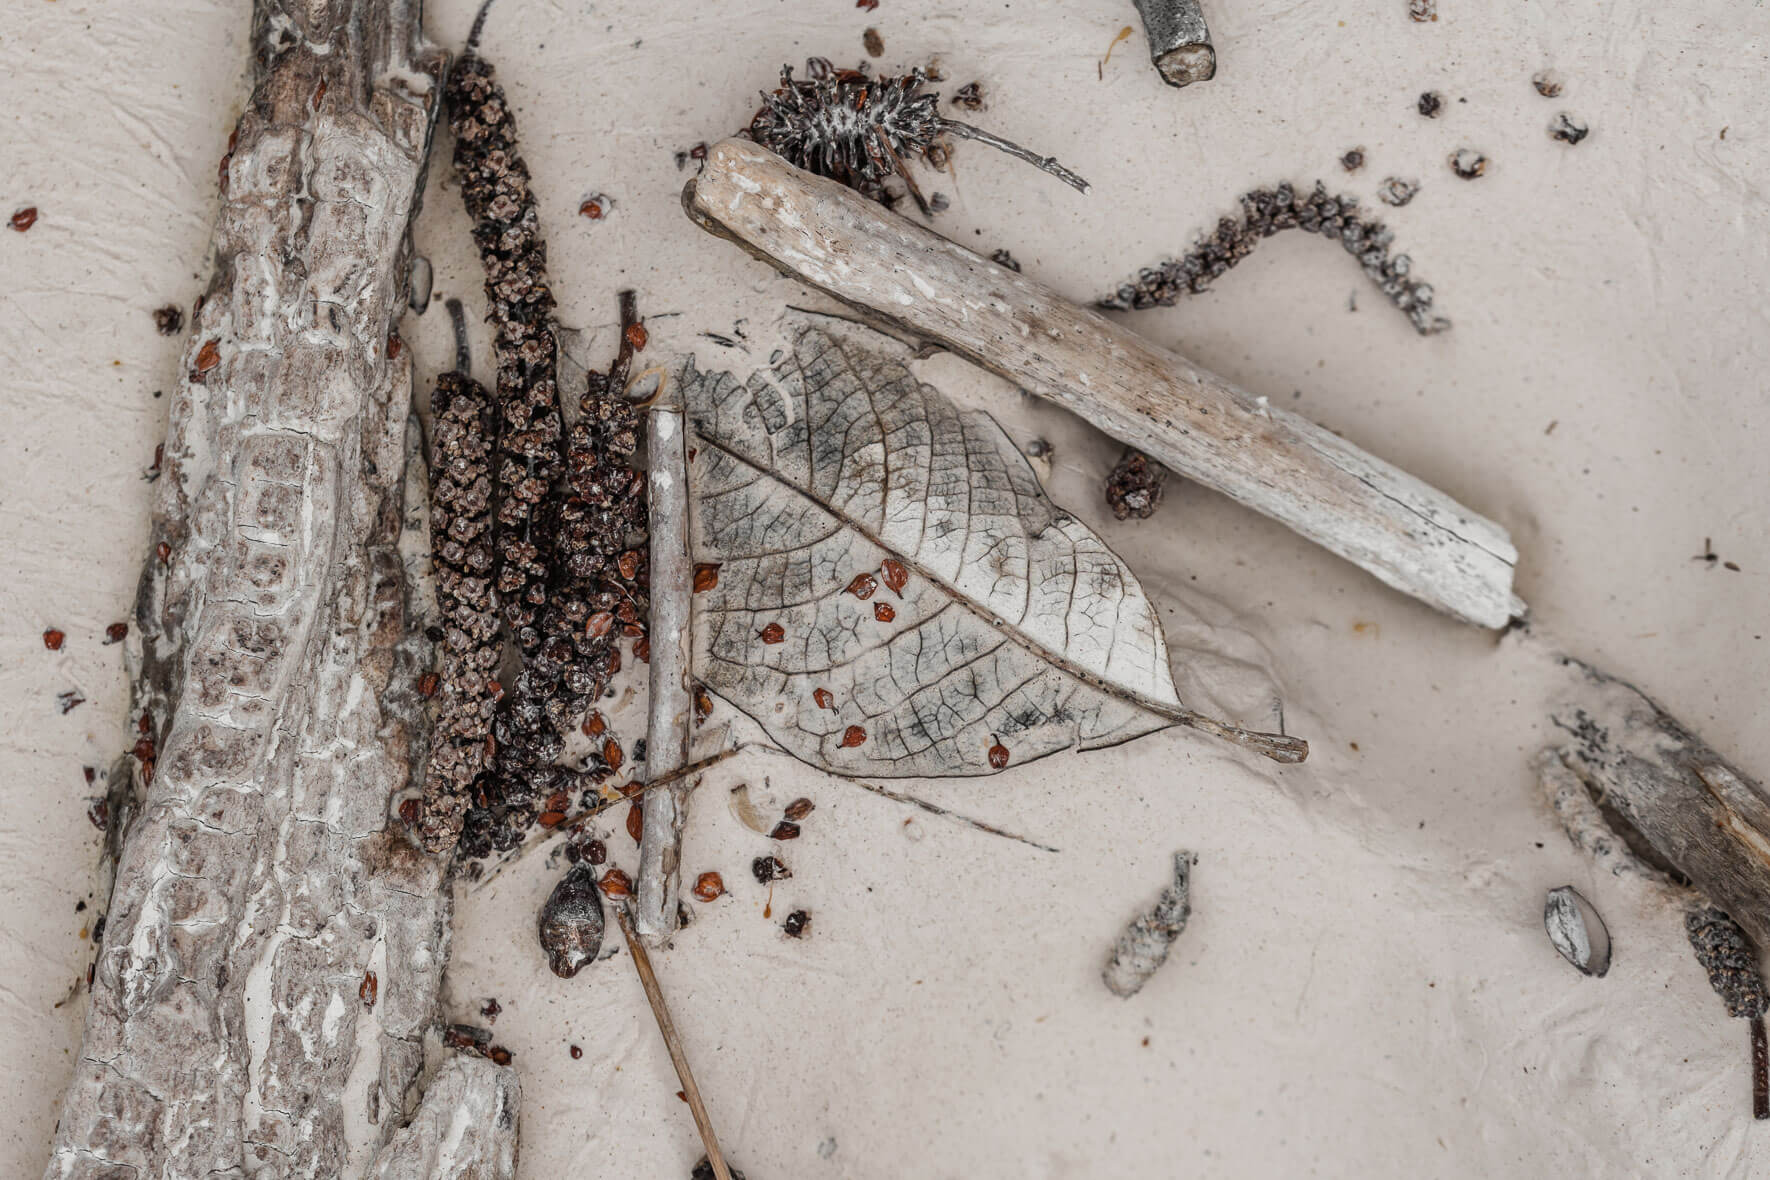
(797, 923)
(1468, 163)
(635, 820)
(368, 989)
(468, 1037)
(798, 809)
(499, 1055)
(428, 684)
(596, 206)
(895, 575)
(706, 576)
(998, 754)
(611, 753)
(703, 704)
(863, 586)
(882, 611)
(208, 356)
(1003, 258)
(637, 336)
(163, 551)
(116, 633)
(628, 564)
(768, 869)
(709, 886)
(1422, 11)
(1353, 160)
(594, 725)
(596, 852)
(866, 5)
(1567, 129)
(168, 320)
(853, 736)
(24, 218)
(873, 43)
(1431, 103)
(52, 639)
(825, 699)
(577, 1053)
(773, 633)
(91, 773)
(969, 96)
(1547, 83)
(1577, 931)
(1396, 191)
(571, 923)
(616, 884)
(99, 812)
(785, 830)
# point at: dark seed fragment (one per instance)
(1134, 489)
(1353, 160)
(24, 218)
(767, 869)
(772, 633)
(571, 923)
(1567, 129)
(873, 43)
(709, 886)
(785, 830)
(863, 586)
(577, 1053)
(1468, 163)
(617, 884)
(52, 639)
(706, 576)
(853, 736)
(116, 633)
(797, 923)
(1431, 103)
(798, 809)
(168, 320)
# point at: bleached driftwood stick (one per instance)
(671, 701)
(274, 941)
(1407, 533)
(1694, 810)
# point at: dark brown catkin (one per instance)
(495, 189)
(1266, 212)
(1731, 961)
(461, 551)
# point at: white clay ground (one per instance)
(1365, 988)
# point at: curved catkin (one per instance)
(1726, 953)
(495, 189)
(1266, 212)
(461, 548)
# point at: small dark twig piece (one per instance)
(1179, 42)
(1760, 1071)
(1265, 212)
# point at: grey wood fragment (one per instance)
(465, 1129)
(1144, 945)
(262, 875)
(1693, 809)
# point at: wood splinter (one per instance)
(1408, 534)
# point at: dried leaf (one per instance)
(1015, 619)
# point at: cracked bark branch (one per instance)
(1407, 533)
(232, 1027)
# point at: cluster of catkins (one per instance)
(559, 523)
(1266, 212)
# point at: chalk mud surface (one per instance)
(1364, 987)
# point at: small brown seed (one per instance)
(798, 809)
(616, 884)
(428, 684)
(637, 336)
(709, 886)
(797, 923)
(116, 633)
(52, 639)
(768, 869)
(773, 633)
(611, 753)
(896, 576)
(636, 820)
(863, 586)
(785, 830)
(825, 699)
(368, 989)
(208, 356)
(706, 576)
(998, 756)
(577, 1053)
(25, 218)
(853, 736)
(883, 612)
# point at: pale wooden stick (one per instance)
(1410, 535)
(654, 995)
(670, 707)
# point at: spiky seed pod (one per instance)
(1731, 961)
(1266, 212)
(495, 189)
(461, 549)
(1135, 486)
(860, 130)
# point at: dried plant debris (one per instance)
(1431, 104)
(1011, 622)
(1468, 163)
(461, 551)
(1134, 489)
(1396, 192)
(1003, 258)
(169, 320)
(1727, 954)
(1568, 129)
(1577, 931)
(571, 923)
(1144, 945)
(1353, 160)
(1266, 212)
(1548, 83)
(704, 1169)
(1422, 10)
(859, 130)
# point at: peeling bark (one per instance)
(465, 1128)
(262, 875)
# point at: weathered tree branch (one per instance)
(1407, 533)
(465, 1129)
(1693, 811)
(275, 940)
(671, 703)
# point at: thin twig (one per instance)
(936, 809)
(648, 979)
(1760, 1070)
(671, 705)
